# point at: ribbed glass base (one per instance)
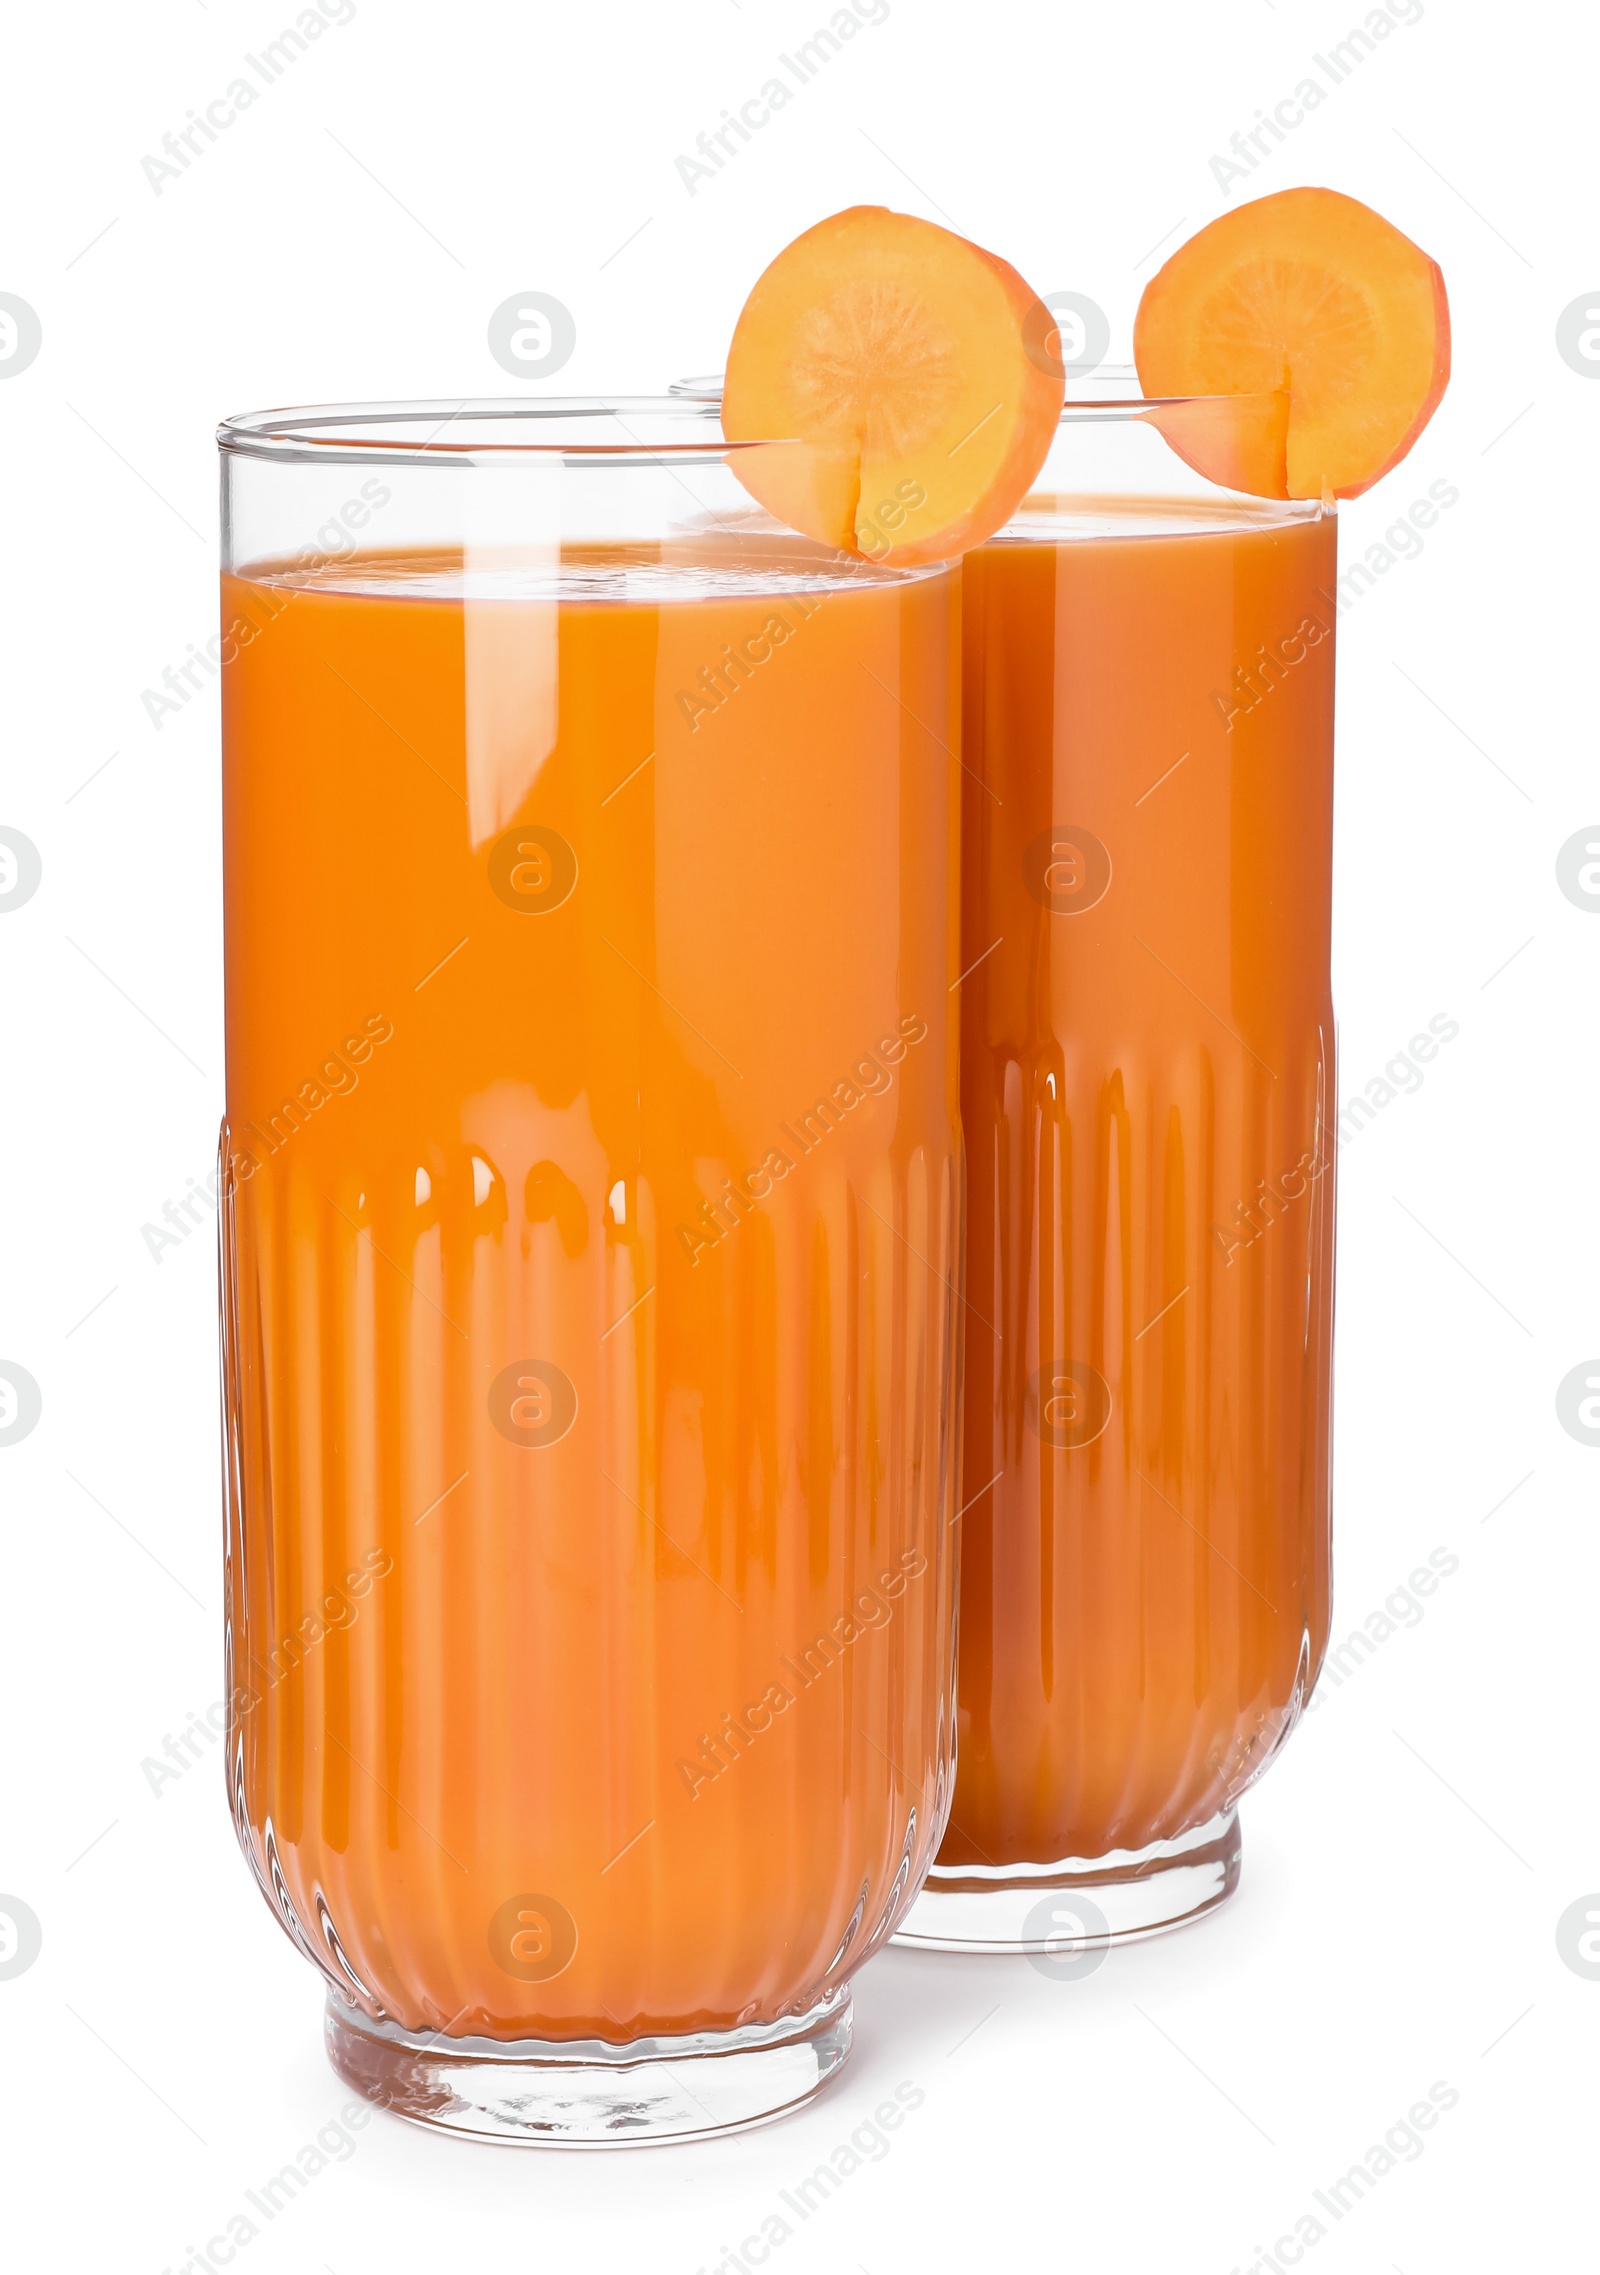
(585, 2093)
(1079, 1906)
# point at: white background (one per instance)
(1407, 1860)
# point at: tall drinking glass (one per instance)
(590, 1254)
(1148, 1101)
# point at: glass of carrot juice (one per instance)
(591, 1248)
(1148, 1101)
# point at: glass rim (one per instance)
(361, 433)
(355, 433)
(1128, 404)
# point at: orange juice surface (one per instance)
(1147, 1094)
(593, 1208)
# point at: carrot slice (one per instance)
(1240, 441)
(1312, 293)
(909, 375)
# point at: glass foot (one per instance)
(587, 2094)
(1080, 1905)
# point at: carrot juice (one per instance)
(1148, 1104)
(591, 1244)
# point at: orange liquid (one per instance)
(1147, 1099)
(590, 1572)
